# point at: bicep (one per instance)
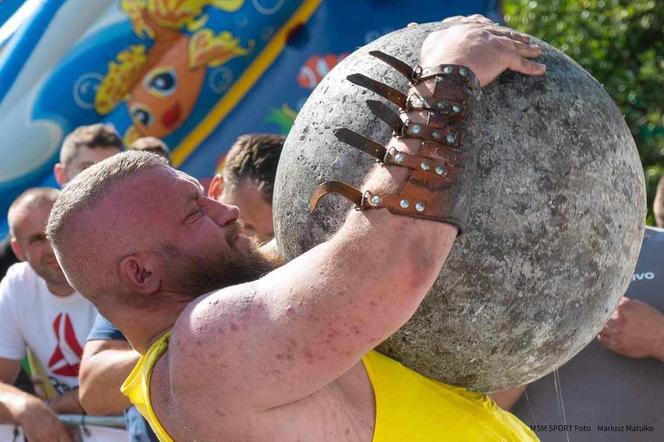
(287, 335)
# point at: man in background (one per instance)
(153, 145)
(636, 329)
(83, 147)
(39, 310)
(247, 181)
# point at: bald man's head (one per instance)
(27, 219)
(132, 231)
(88, 226)
(29, 201)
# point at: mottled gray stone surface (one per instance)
(556, 218)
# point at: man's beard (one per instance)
(194, 276)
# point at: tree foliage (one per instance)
(621, 43)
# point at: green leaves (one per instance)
(621, 43)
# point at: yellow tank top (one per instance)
(137, 385)
(409, 406)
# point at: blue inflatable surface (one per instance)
(196, 73)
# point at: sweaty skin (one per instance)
(279, 358)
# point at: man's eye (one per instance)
(196, 214)
(37, 239)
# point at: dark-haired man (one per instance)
(247, 181)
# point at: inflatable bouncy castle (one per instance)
(196, 73)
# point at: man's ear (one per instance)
(17, 249)
(137, 273)
(216, 187)
(60, 174)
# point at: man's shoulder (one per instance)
(212, 330)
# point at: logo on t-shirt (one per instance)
(67, 354)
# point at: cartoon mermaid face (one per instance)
(161, 85)
(164, 98)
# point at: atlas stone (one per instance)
(556, 222)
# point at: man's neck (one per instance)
(60, 290)
(143, 329)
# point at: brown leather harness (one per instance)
(439, 178)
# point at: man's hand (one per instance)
(635, 330)
(40, 424)
(483, 46)
(66, 403)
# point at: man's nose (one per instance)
(221, 213)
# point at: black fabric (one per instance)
(7, 257)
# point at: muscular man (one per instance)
(247, 181)
(83, 147)
(287, 356)
(39, 310)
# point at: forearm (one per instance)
(101, 376)
(350, 293)
(13, 402)
(67, 403)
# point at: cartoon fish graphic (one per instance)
(316, 67)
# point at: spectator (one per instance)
(39, 310)
(247, 181)
(636, 329)
(153, 145)
(83, 147)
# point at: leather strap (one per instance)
(407, 204)
(419, 73)
(385, 91)
(397, 64)
(348, 192)
(439, 130)
(441, 170)
(436, 167)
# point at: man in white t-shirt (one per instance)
(41, 311)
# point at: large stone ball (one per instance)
(557, 215)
